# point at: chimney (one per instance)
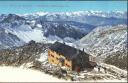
(63, 42)
(77, 52)
(83, 49)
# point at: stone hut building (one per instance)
(69, 57)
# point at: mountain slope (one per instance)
(64, 29)
(41, 31)
(45, 26)
(24, 54)
(108, 43)
(8, 40)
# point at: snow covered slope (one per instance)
(8, 39)
(38, 30)
(20, 74)
(109, 43)
(64, 26)
(28, 35)
(14, 74)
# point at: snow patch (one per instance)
(15, 74)
(116, 69)
(33, 34)
(39, 25)
(43, 57)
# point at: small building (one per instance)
(70, 57)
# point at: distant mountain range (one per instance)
(97, 18)
(16, 30)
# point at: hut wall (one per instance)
(68, 64)
(53, 58)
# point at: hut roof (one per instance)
(67, 51)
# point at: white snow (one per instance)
(69, 39)
(116, 69)
(105, 80)
(14, 74)
(43, 57)
(34, 34)
(118, 14)
(54, 38)
(21, 74)
(39, 25)
(41, 13)
(33, 22)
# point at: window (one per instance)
(53, 61)
(57, 58)
(48, 52)
(92, 58)
(52, 55)
(67, 65)
(68, 60)
(58, 54)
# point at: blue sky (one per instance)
(22, 7)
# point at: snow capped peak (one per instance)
(80, 13)
(41, 13)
